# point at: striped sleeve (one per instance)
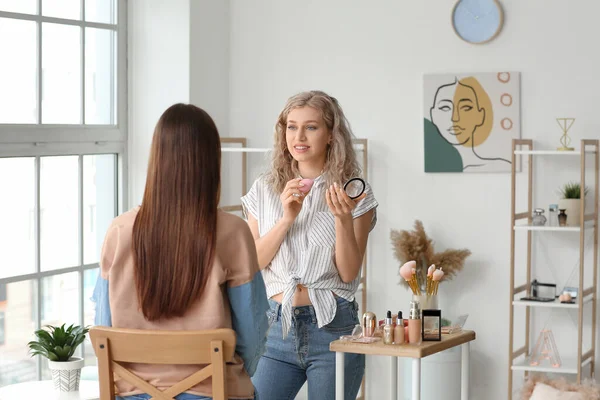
(250, 201)
(367, 204)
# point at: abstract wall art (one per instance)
(470, 120)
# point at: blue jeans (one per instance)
(304, 355)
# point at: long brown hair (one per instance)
(174, 234)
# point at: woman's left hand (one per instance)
(339, 203)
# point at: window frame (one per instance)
(14, 136)
(41, 140)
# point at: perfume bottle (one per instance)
(553, 215)
(562, 217)
(538, 218)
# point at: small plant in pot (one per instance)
(58, 344)
(570, 201)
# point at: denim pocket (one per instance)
(346, 318)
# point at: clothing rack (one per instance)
(360, 145)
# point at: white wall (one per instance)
(371, 56)
(158, 74)
(209, 59)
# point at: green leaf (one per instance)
(60, 337)
(62, 352)
(71, 353)
(37, 346)
(44, 335)
(39, 353)
(77, 340)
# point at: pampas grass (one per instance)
(416, 245)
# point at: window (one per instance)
(63, 134)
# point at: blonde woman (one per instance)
(310, 241)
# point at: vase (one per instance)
(66, 374)
(562, 218)
(572, 207)
(427, 302)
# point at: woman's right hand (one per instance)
(291, 200)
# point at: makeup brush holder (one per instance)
(427, 302)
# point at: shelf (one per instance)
(568, 366)
(550, 152)
(526, 227)
(551, 304)
(522, 221)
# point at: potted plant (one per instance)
(58, 345)
(571, 201)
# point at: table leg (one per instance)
(464, 372)
(416, 379)
(394, 378)
(339, 376)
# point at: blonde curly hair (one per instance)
(341, 163)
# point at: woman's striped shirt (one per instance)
(307, 253)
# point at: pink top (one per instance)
(235, 264)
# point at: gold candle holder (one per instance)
(565, 124)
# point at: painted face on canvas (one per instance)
(456, 113)
(307, 135)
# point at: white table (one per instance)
(395, 352)
(88, 390)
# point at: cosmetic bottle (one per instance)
(399, 329)
(369, 323)
(388, 329)
(414, 323)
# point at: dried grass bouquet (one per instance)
(417, 246)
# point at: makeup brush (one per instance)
(429, 278)
(406, 274)
(415, 282)
(437, 277)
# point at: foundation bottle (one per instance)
(399, 330)
(414, 323)
(388, 329)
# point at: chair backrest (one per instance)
(114, 346)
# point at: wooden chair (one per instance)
(115, 346)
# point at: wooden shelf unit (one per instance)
(574, 365)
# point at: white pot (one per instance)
(572, 207)
(66, 374)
